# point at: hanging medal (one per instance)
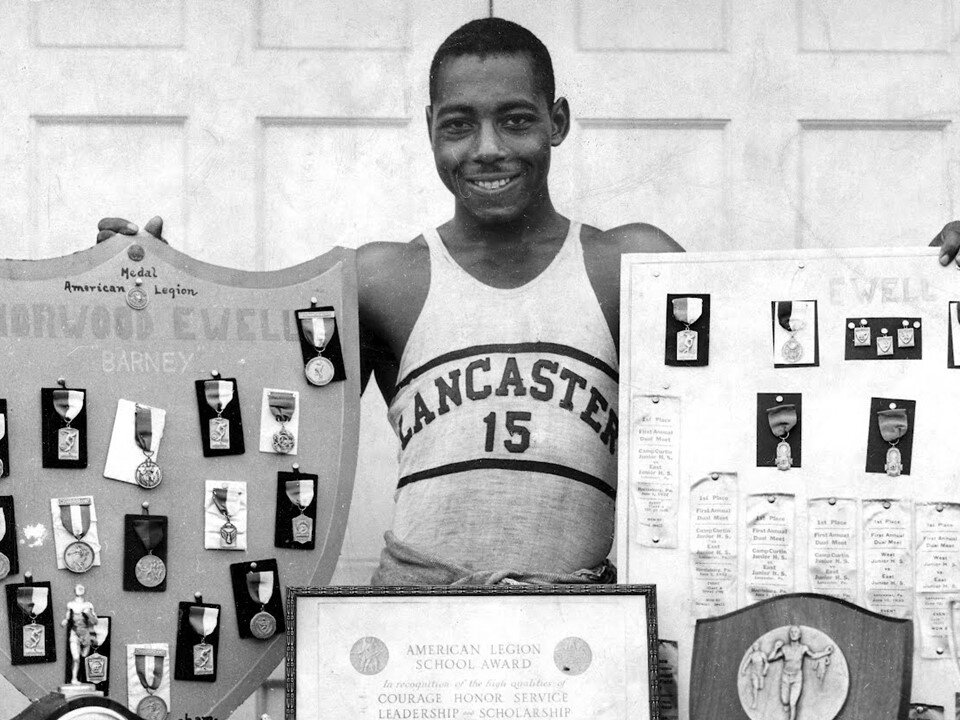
(4, 469)
(687, 310)
(75, 514)
(884, 343)
(204, 621)
(791, 318)
(9, 564)
(300, 493)
(782, 419)
(68, 404)
(226, 504)
(894, 424)
(282, 406)
(149, 665)
(263, 625)
(905, 334)
(219, 394)
(861, 334)
(316, 329)
(4, 560)
(150, 570)
(96, 664)
(148, 474)
(33, 600)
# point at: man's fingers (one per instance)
(154, 226)
(118, 225)
(105, 235)
(949, 242)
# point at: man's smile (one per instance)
(492, 183)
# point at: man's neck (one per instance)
(537, 224)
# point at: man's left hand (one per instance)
(949, 241)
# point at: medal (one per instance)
(150, 570)
(782, 419)
(203, 620)
(282, 406)
(894, 424)
(33, 600)
(687, 311)
(905, 337)
(317, 327)
(226, 503)
(263, 625)
(95, 664)
(3, 434)
(149, 664)
(861, 335)
(300, 493)
(4, 560)
(791, 320)
(137, 298)
(884, 343)
(75, 516)
(68, 404)
(148, 474)
(219, 394)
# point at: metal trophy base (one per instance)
(75, 690)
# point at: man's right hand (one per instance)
(109, 227)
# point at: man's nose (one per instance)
(489, 145)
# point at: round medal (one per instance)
(1, 467)
(283, 441)
(319, 371)
(148, 474)
(792, 350)
(78, 557)
(263, 625)
(150, 571)
(4, 566)
(152, 708)
(137, 299)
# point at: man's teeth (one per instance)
(492, 184)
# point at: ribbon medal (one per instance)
(884, 343)
(148, 474)
(782, 419)
(226, 501)
(687, 311)
(68, 403)
(282, 406)
(893, 426)
(3, 434)
(219, 394)
(75, 516)
(33, 601)
(4, 560)
(203, 620)
(95, 664)
(300, 493)
(260, 586)
(150, 570)
(791, 319)
(149, 664)
(317, 328)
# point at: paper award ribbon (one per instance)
(149, 664)
(203, 620)
(792, 318)
(219, 394)
(893, 426)
(260, 586)
(317, 327)
(300, 493)
(782, 419)
(226, 503)
(149, 570)
(282, 406)
(68, 404)
(75, 516)
(148, 474)
(687, 311)
(33, 601)
(4, 560)
(95, 663)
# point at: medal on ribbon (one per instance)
(203, 620)
(782, 419)
(300, 493)
(3, 434)
(282, 406)
(149, 664)
(75, 516)
(316, 327)
(95, 664)
(150, 570)
(260, 586)
(226, 504)
(4, 560)
(861, 335)
(148, 474)
(219, 394)
(68, 403)
(687, 311)
(791, 318)
(33, 601)
(884, 343)
(894, 424)
(905, 338)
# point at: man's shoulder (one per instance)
(636, 237)
(385, 262)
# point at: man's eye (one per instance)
(518, 122)
(455, 126)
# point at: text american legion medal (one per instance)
(75, 516)
(148, 474)
(4, 560)
(149, 664)
(68, 403)
(150, 569)
(219, 394)
(226, 501)
(260, 586)
(300, 493)
(33, 601)
(282, 406)
(95, 664)
(317, 327)
(782, 419)
(687, 311)
(791, 318)
(893, 426)
(203, 620)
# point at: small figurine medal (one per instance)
(687, 311)
(790, 319)
(300, 493)
(75, 516)
(150, 570)
(219, 394)
(225, 505)
(782, 419)
(260, 586)
(33, 601)
(68, 403)
(203, 620)
(149, 664)
(894, 424)
(282, 406)
(317, 327)
(148, 474)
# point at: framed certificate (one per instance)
(572, 651)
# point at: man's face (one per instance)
(492, 130)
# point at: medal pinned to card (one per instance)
(148, 686)
(890, 438)
(198, 637)
(221, 427)
(296, 510)
(8, 540)
(687, 330)
(320, 344)
(135, 445)
(893, 425)
(279, 421)
(30, 623)
(64, 426)
(795, 336)
(75, 533)
(884, 338)
(145, 552)
(782, 419)
(96, 666)
(256, 593)
(4, 444)
(225, 515)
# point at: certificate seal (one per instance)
(283, 441)
(148, 474)
(369, 655)
(150, 571)
(319, 371)
(152, 708)
(572, 656)
(137, 299)
(263, 625)
(78, 557)
(4, 566)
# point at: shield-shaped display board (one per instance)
(135, 320)
(806, 656)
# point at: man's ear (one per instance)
(428, 113)
(559, 120)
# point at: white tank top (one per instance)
(506, 410)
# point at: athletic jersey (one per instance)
(506, 413)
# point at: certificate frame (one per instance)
(326, 619)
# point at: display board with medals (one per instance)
(155, 411)
(786, 426)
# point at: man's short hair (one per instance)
(495, 36)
